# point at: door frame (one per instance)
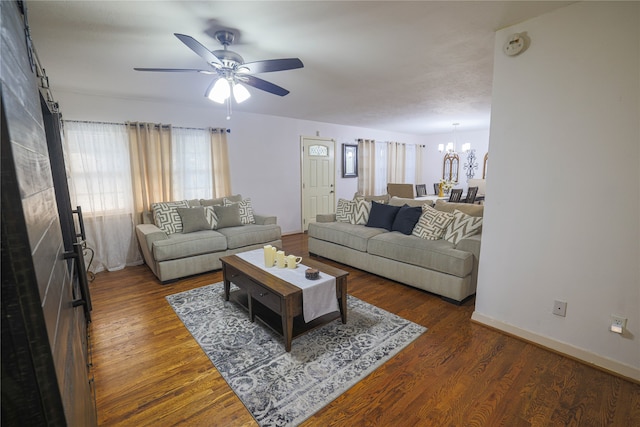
(303, 203)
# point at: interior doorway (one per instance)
(318, 178)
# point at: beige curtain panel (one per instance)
(366, 166)
(220, 162)
(396, 154)
(419, 157)
(151, 169)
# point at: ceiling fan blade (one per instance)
(176, 70)
(264, 85)
(198, 48)
(270, 65)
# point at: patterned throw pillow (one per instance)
(432, 223)
(361, 211)
(462, 226)
(345, 212)
(246, 210)
(210, 215)
(166, 217)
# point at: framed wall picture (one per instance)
(349, 161)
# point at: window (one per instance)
(100, 172)
(99, 168)
(318, 150)
(192, 172)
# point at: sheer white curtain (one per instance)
(100, 183)
(418, 155)
(410, 164)
(200, 163)
(381, 159)
(192, 166)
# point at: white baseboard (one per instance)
(615, 367)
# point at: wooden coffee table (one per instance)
(279, 303)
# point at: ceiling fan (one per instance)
(230, 69)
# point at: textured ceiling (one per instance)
(413, 67)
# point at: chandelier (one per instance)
(451, 146)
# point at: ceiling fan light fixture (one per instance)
(240, 93)
(220, 91)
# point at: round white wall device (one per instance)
(514, 45)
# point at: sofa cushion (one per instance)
(193, 219)
(180, 245)
(166, 216)
(406, 219)
(340, 233)
(468, 208)
(246, 210)
(220, 201)
(432, 223)
(439, 255)
(345, 211)
(401, 201)
(250, 234)
(228, 216)
(382, 216)
(379, 199)
(462, 226)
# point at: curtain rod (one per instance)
(390, 142)
(124, 124)
(98, 123)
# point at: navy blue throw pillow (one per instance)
(382, 216)
(406, 219)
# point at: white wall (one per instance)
(563, 220)
(264, 151)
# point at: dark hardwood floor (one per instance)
(150, 371)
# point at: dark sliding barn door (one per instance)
(45, 370)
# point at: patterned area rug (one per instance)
(280, 388)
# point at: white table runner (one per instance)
(319, 296)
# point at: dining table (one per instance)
(432, 198)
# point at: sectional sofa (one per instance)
(187, 237)
(445, 266)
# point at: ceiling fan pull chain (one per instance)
(229, 108)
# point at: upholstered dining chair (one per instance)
(472, 192)
(404, 191)
(455, 195)
(421, 190)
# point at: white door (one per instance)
(318, 178)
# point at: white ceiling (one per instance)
(412, 67)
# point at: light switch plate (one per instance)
(618, 323)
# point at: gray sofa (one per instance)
(438, 266)
(171, 256)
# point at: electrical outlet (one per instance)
(618, 323)
(560, 308)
